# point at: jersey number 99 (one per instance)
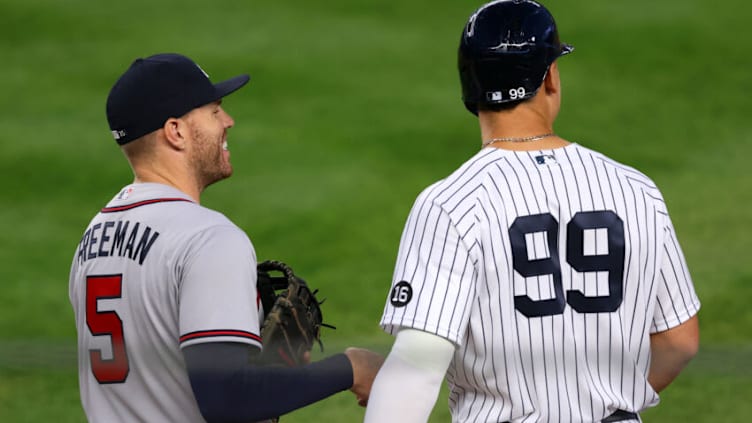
(611, 262)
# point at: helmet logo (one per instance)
(513, 94)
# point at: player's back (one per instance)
(566, 249)
(125, 290)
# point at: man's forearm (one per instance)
(408, 383)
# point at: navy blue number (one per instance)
(612, 262)
(537, 267)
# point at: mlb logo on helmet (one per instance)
(493, 95)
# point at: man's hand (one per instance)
(365, 364)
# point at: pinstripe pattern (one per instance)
(561, 366)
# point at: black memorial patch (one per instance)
(401, 295)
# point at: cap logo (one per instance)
(120, 133)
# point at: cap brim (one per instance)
(225, 88)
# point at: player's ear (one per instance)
(552, 83)
(175, 132)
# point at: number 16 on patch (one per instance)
(402, 293)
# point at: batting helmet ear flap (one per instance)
(505, 51)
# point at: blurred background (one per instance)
(353, 108)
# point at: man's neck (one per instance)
(520, 129)
(548, 143)
(155, 177)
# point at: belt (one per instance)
(618, 416)
(621, 415)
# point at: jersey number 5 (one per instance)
(611, 262)
(115, 369)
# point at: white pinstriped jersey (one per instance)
(155, 272)
(549, 270)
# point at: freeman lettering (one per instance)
(117, 238)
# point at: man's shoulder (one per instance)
(460, 184)
(164, 207)
(621, 170)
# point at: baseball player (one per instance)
(543, 279)
(164, 289)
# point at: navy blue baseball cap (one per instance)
(159, 87)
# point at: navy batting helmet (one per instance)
(506, 49)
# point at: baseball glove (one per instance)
(292, 316)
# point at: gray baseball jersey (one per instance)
(549, 270)
(155, 272)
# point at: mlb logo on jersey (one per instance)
(125, 193)
(545, 159)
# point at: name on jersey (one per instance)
(117, 238)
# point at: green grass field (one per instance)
(352, 109)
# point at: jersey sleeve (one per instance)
(218, 301)
(434, 277)
(677, 301)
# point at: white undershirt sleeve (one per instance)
(407, 386)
